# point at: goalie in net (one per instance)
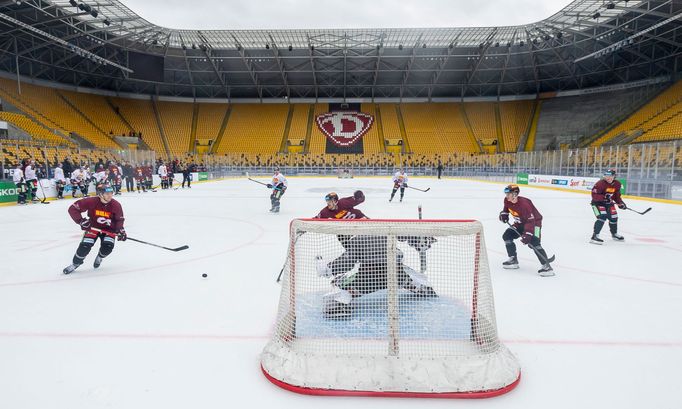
(369, 254)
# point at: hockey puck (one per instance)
(204, 275)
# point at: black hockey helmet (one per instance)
(331, 196)
(610, 172)
(512, 189)
(103, 188)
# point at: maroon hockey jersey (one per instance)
(524, 213)
(108, 217)
(602, 188)
(344, 210)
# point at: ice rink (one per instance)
(147, 331)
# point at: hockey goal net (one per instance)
(388, 308)
(345, 173)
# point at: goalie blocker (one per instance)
(395, 331)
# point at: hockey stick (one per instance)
(44, 201)
(544, 259)
(185, 247)
(421, 190)
(642, 213)
(279, 276)
(254, 180)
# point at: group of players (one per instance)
(104, 222)
(26, 176)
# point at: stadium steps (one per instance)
(309, 129)
(193, 133)
(403, 132)
(94, 125)
(157, 116)
(287, 129)
(35, 115)
(498, 128)
(380, 127)
(470, 131)
(624, 115)
(527, 143)
(221, 132)
(82, 142)
(117, 111)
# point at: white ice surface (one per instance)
(147, 331)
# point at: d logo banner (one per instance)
(344, 128)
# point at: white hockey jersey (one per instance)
(163, 172)
(77, 175)
(18, 176)
(59, 175)
(400, 178)
(30, 173)
(100, 176)
(279, 178)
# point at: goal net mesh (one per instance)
(388, 306)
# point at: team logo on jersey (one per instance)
(344, 128)
(102, 213)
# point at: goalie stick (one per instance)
(544, 259)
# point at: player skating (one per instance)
(399, 182)
(527, 226)
(59, 180)
(605, 198)
(20, 183)
(163, 174)
(279, 186)
(104, 221)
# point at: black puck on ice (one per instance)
(204, 275)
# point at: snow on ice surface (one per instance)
(147, 331)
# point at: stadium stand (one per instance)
(176, 120)
(32, 128)
(433, 128)
(515, 117)
(139, 113)
(209, 119)
(254, 128)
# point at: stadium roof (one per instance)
(103, 44)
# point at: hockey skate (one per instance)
(98, 261)
(546, 271)
(596, 240)
(617, 237)
(70, 268)
(511, 264)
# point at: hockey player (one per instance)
(140, 179)
(87, 178)
(147, 171)
(31, 180)
(399, 182)
(114, 178)
(343, 208)
(76, 181)
(171, 175)
(163, 174)
(104, 221)
(59, 180)
(527, 226)
(100, 176)
(369, 254)
(605, 198)
(20, 183)
(279, 186)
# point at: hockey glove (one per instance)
(404, 186)
(504, 217)
(85, 224)
(359, 196)
(269, 186)
(122, 236)
(526, 238)
(622, 206)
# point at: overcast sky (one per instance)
(276, 14)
